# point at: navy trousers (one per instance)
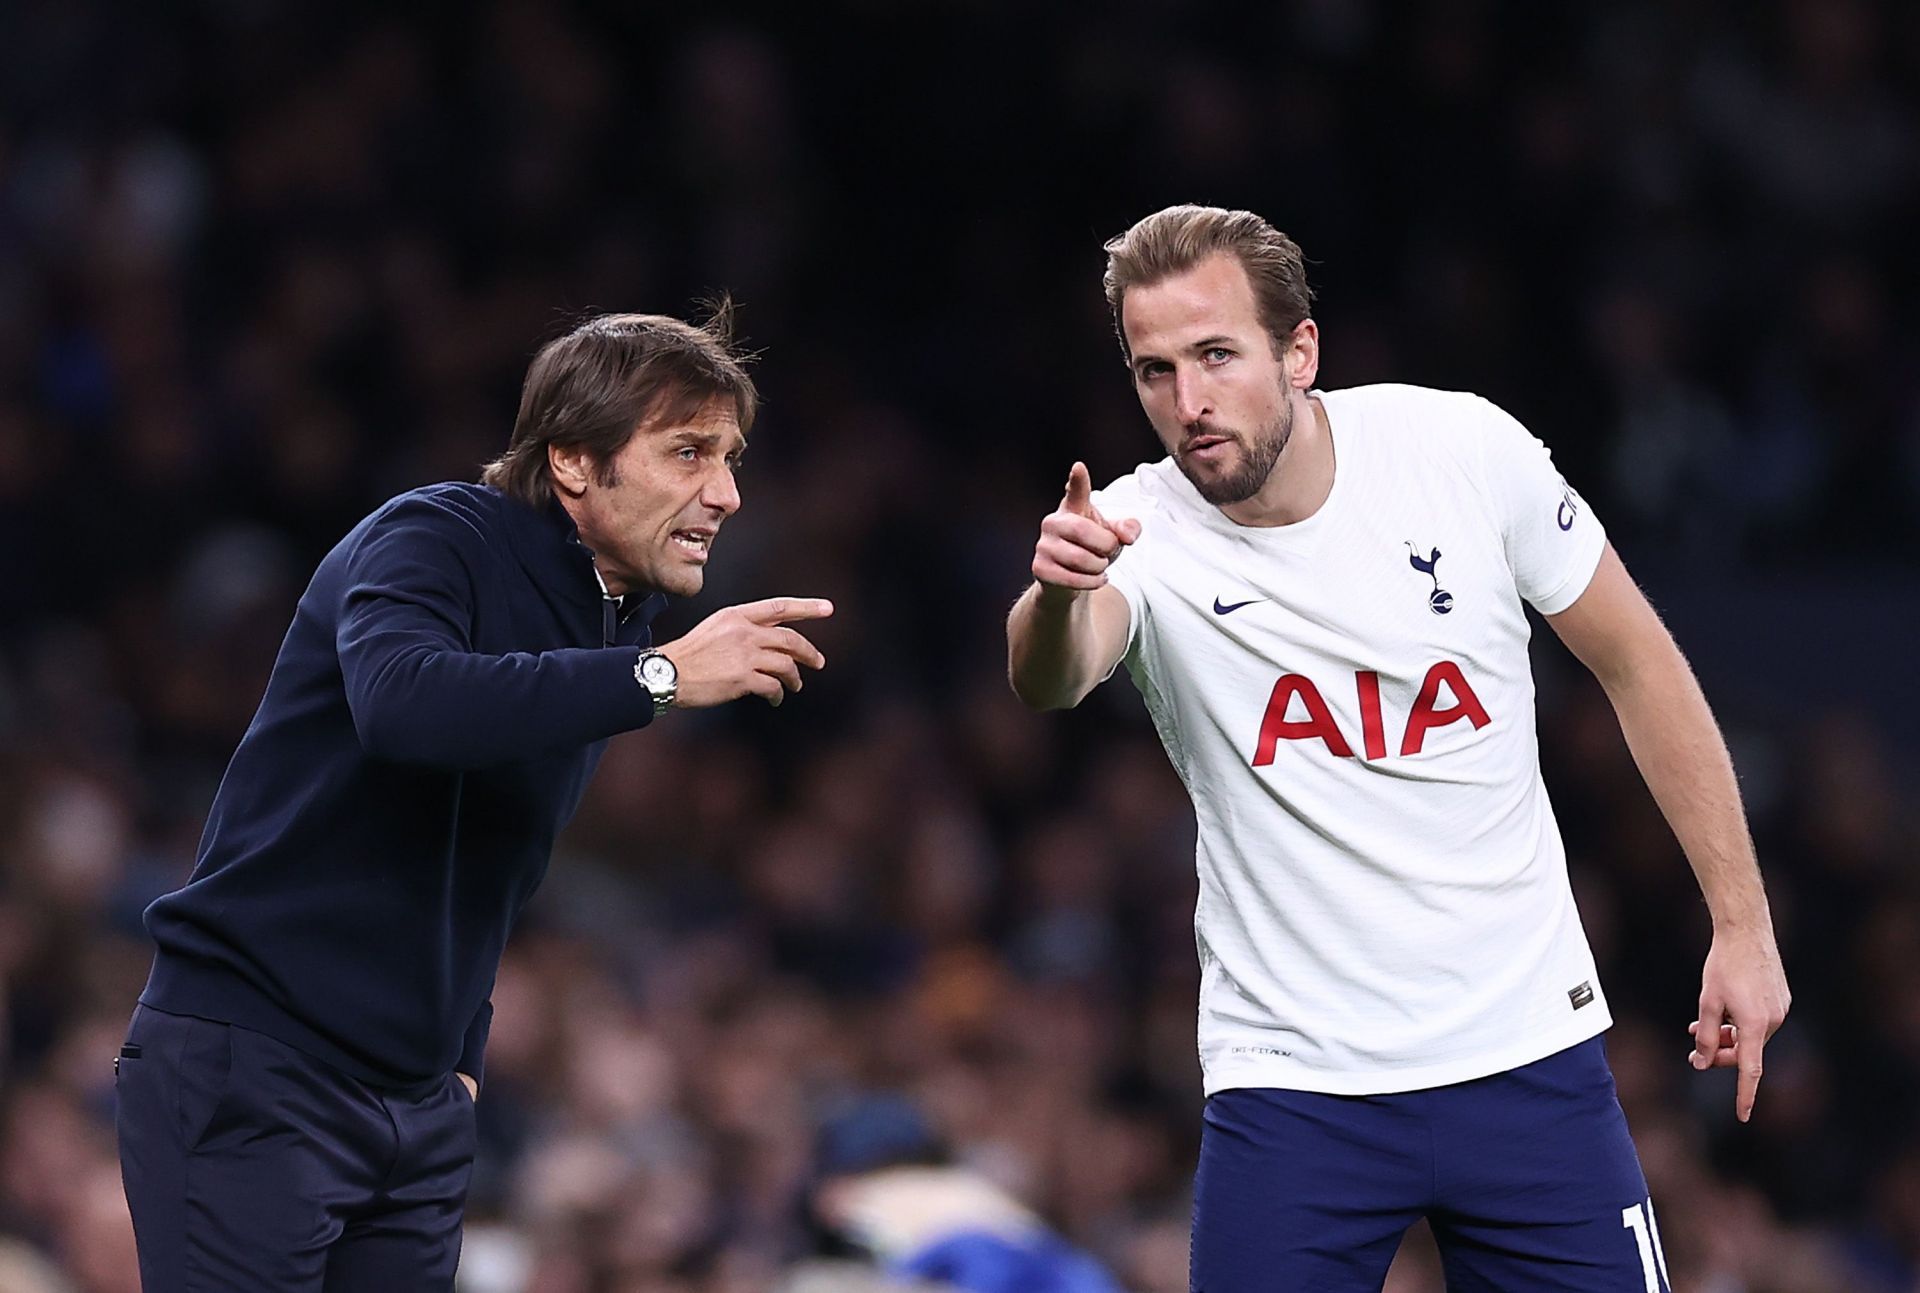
(251, 1167)
(1528, 1178)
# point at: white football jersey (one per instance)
(1384, 902)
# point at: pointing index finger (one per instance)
(1079, 497)
(779, 610)
(1747, 1045)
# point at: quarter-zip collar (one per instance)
(548, 545)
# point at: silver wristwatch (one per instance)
(657, 674)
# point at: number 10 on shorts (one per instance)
(1646, 1234)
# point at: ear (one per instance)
(1302, 359)
(570, 468)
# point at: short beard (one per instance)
(1257, 463)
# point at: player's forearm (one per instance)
(1051, 647)
(1684, 759)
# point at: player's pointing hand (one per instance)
(1743, 1000)
(1077, 544)
(746, 651)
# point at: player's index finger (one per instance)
(1747, 1046)
(1079, 499)
(778, 610)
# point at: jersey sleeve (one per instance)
(1552, 538)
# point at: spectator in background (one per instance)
(885, 1183)
(22, 1270)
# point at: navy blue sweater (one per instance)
(448, 684)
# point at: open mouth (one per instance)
(693, 542)
(1206, 447)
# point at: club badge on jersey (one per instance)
(1440, 601)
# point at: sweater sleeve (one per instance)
(473, 1047)
(417, 690)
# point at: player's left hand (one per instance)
(1743, 1001)
(473, 1088)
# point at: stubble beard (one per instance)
(1258, 454)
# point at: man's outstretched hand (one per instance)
(746, 651)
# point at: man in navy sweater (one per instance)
(297, 1087)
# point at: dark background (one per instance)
(264, 264)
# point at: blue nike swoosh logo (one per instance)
(1218, 609)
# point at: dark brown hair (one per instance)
(1173, 241)
(598, 385)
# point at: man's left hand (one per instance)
(1743, 1000)
(473, 1088)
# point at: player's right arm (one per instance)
(1069, 630)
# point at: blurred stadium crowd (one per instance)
(262, 265)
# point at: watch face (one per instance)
(657, 671)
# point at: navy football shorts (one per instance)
(1528, 1179)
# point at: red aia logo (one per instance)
(1427, 714)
